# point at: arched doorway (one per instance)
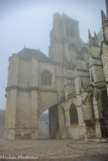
(74, 126)
(73, 115)
(43, 125)
(48, 124)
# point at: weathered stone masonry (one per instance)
(72, 82)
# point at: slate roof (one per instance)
(27, 54)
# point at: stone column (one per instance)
(10, 117)
(79, 96)
(34, 99)
(96, 112)
(62, 128)
(84, 113)
(98, 129)
(14, 71)
(34, 115)
(68, 128)
(11, 100)
(104, 54)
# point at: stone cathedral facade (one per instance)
(72, 83)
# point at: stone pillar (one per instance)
(34, 99)
(34, 115)
(79, 106)
(85, 113)
(68, 123)
(62, 127)
(10, 117)
(98, 129)
(11, 100)
(85, 131)
(10, 70)
(96, 112)
(82, 124)
(104, 55)
(13, 71)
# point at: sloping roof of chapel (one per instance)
(28, 54)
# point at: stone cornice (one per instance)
(30, 89)
(95, 65)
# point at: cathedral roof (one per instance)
(28, 54)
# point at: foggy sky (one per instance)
(29, 22)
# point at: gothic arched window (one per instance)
(73, 115)
(46, 78)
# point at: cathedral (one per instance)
(72, 83)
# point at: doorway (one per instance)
(43, 125)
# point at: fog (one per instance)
(29, 22)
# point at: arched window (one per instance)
(46, 78)
(105, 103)
(73, 115)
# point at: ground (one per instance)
(55, 150)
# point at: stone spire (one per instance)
(105, 22)
(93, 41)
(103, 15)
(95, 35)
(104, 18)
(106, 8)
(89, 34)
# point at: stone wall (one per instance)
(75, 76)
(2, 120)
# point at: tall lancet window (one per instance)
(73, 115)
(46, 78)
